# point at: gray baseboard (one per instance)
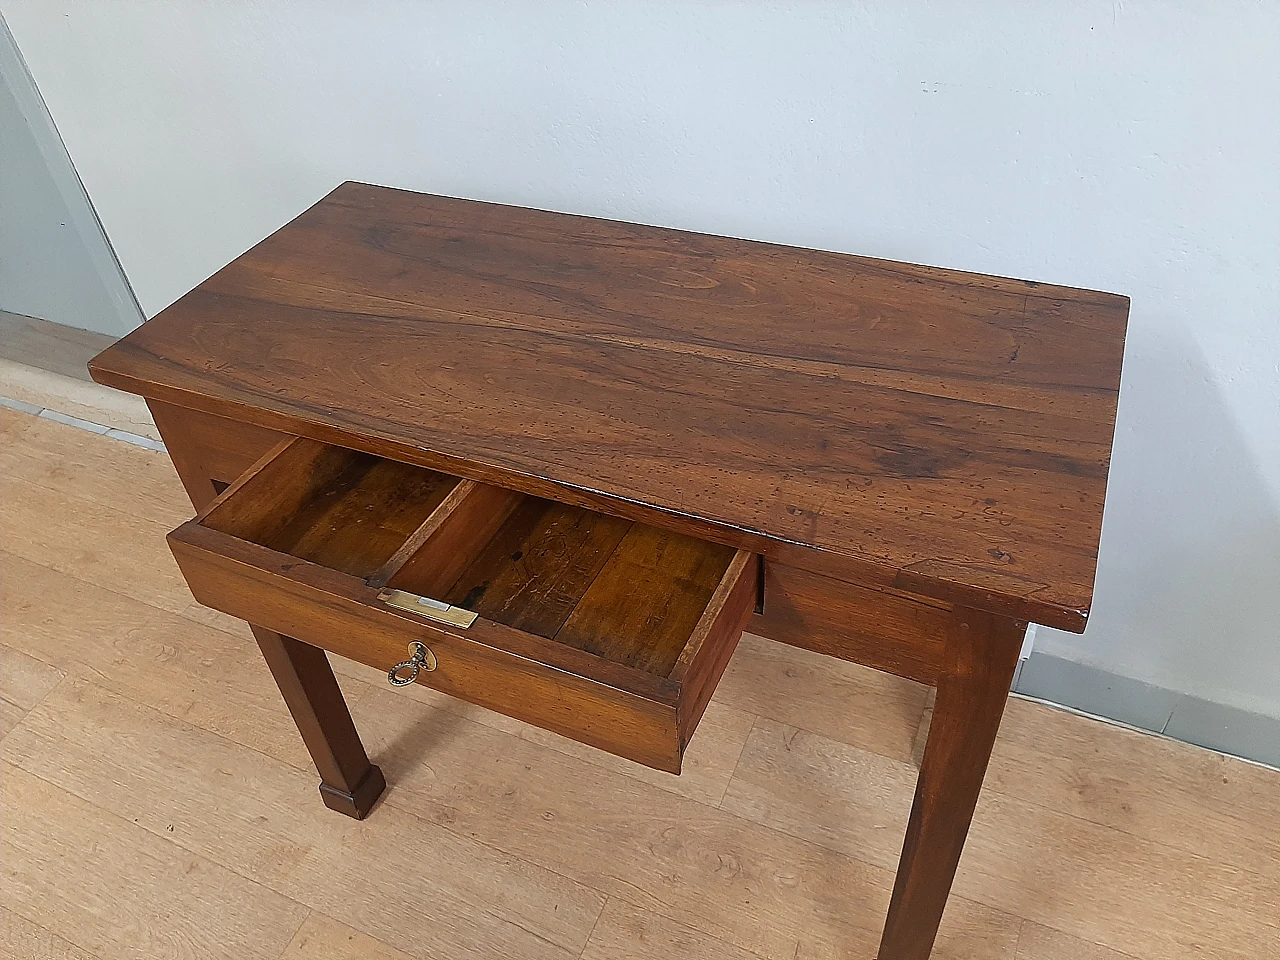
(1226, 729)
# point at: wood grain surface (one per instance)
(895, 425)
(217, 450)
(978, 664)
(535, 569)
(652, 592)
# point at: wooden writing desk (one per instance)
(619, 445)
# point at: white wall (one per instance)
(55, 262)
(1133, 147)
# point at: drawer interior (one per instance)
(339, 508)
(623, 591)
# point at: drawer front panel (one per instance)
(887, 631)
(342, 615)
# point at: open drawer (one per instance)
(608, 631)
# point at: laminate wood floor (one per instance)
(157, 801)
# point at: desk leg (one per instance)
(981, 654)
(203, 447)
(349, 783)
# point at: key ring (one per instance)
(420, 658)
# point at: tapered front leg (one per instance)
(981, 654)
(202, 448)
(349, 783)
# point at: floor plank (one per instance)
(183, 669)
(709, 760)
(322, 938)
(24, 682)
(24, 940)
(625, 932)
(12, 426)
(120, 475)
(1043, 943)
(1109, 886)
(818, 789)
(98, 544)
(1186, 797)
(10, 716)
(697, 865)
(117, 891)
(261, 819)
(878, 711)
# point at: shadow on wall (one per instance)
(1189, 568)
